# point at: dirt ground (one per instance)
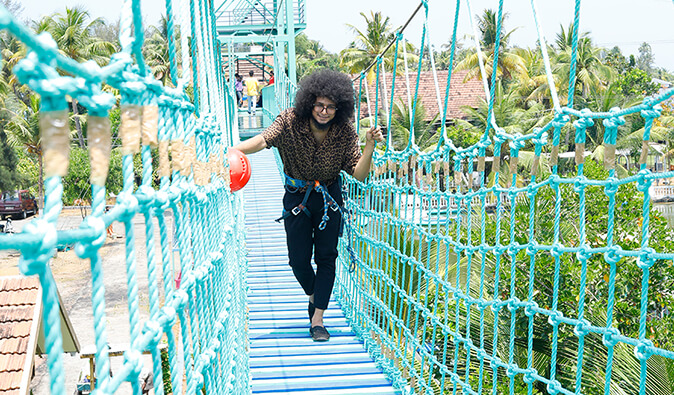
(73, 278)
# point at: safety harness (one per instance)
(293, 185)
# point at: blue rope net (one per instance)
(207, 308)
(475, 275)
(464, 264)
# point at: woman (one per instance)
(316, 140)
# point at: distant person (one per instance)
(253, 91)
(238, 86)
(271, 79)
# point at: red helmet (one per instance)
(239, 169)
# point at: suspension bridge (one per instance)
(428, 297)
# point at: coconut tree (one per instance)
(368, 44)
(510, 64)
(591, 72)
(156, 51)
(21, 123)
(425, 131)
(75, 38)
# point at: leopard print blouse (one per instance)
(303, 158)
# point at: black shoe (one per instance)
(319, 334)
(312, 310)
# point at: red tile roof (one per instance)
(460, 94)
(20, 308)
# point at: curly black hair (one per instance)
(334, 85)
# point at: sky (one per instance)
(625, 23)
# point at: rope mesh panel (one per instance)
(443, 240)
(207, 307)
(475, 275)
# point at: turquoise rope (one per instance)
(383, 297)
(40, 237)
(574, 54)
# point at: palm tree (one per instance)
(368, 44)
(22, 125)
(425, 133)
(156, 52)
(564, 39)
(591, 72)
(74, 35)
(510, 64)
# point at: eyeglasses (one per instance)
(330, 109)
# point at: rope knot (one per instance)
(542, 139)
(130, 205)
(514, 247)
(652, 112)
(161, 202)
(644, 183)
(532, 248)
(97, 226)
(585, 121)
(181, 297)
(499, 137)
(584, 253)
(529, 375)
(560, 120)
(610, 337)
(611, 187)
(513, 304)
(33, 261)
(582, 328)
(554, 387)
(580, 184)
(646, 260)
(613, 255)
(517, 143)
(511, 371)
(557, 250)
(643, 350)
(555, 318)
(530, 309)
(153, 329)
(614, 121)
(168, 315)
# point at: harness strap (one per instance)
(292, 185)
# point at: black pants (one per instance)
(304, 238)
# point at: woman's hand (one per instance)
(374, 134)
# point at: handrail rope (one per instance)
(494, 71)
(384, 99)
(434, 71)
(173, 68)
(135, 89)
(393, 85)
(480, 57)
(184, 44)
(574, 54)
(546, 60)
(407, 75)
(450, 70)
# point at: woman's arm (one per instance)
(252, 145)
(363, 166)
